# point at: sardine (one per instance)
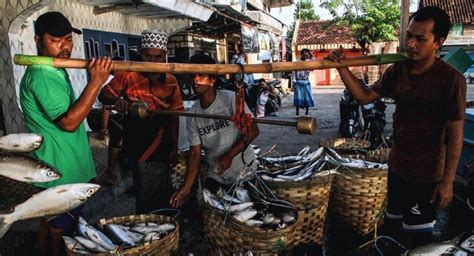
(142, 224)
(26, 169)
(239, 207)
(212, 200)
(120, 235)
(268, 218)
(72, 244)
(49, 202)
(245, 215)
(163, 228)
(304, 151)
(99, 238)
(288, 218)
(242, 195)
(20, 142)
(254, 223)
(89, 244)
(153, 236)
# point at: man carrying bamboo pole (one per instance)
(227, 151)
(51, 109)
(428, 126)
(151, 144)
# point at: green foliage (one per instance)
(304, 11)
(370, 20)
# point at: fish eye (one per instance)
(90, 191)
(51, 174)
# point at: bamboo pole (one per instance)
(220, 69)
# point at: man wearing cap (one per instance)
(51, 109)
(150, 144)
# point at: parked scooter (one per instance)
(362, 121)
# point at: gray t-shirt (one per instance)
(217, 136)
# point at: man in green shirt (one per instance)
(51, 109)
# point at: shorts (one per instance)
(94, 120)
(66, 222)
(410, 203)
(115, 130)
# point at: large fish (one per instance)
(49, 202)
(26, 169)
(20, 142)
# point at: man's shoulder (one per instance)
(446, 68)
(42, 70)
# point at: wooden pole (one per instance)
(220, 69)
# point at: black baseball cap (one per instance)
(54, 23)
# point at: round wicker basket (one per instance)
(234, 236)
(178, 173)
(166, 246)
(345, 145)
(310, 197)
(359, 197)
(379, 155)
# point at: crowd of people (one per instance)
(428, 127)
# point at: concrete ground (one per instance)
(114, 201)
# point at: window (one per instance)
(457, 29)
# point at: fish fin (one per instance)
(4, 227)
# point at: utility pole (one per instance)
(405, 13)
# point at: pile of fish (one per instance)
(114, 238)
(308, 165)
(254, 212)
(26, 170)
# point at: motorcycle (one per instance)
(362, 121)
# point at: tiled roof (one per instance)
(460, 11)
(323, 32)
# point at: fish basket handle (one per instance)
(178, 212)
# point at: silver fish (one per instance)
(99, 238)
(26, 169)
(242, 195)
(288, 218)
(245, 215)
(135, 236)
(49, 202)
(268, 218)
(150, 224)
(89, 244)
(153, 236)
(447, 247)
(120, 235)
(163, 228)
(20, 142)
(239, 207)
(304, 151)
(254, 223)
(212, 200)
(72, 244)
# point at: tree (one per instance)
(304, 11)
(369, 20)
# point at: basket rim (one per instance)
(308, 183)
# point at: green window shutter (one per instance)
(457, 29)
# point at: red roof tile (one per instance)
(460, 11)
(323, 32)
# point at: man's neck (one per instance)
(207, 99)
(421, 66)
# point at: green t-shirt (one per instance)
(46, 94)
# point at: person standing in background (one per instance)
(303, 97)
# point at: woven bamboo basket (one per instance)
(234, 236)
(166, 246)
(345, 145)
(310, 197)
(359, 197)
(379, 155)
(178, 173)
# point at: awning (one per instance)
(266, 21)
(154, 9)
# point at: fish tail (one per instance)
(4, 226)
